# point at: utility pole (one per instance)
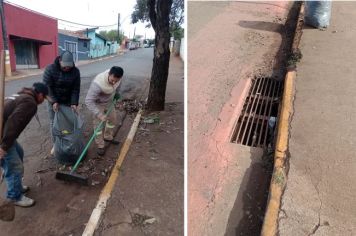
(7, 208)
(118, 27)
(5, 40)
(3, 60)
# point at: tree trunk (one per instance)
(158, 84)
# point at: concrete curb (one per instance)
(12, 78)
(279, 176)
(106, 192)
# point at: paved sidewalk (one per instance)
(229, 43)
(320, 193)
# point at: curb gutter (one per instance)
(280, 170)
(279, 176)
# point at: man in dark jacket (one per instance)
(18, 112)
(63, 81)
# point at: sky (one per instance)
(90, 12)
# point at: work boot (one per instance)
(25, 189)
(112, 141)
(100, 151)
(24, 202)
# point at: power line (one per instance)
(93, 26)
(125, 19)
(61, 21)
(71, 26)
(87, 25)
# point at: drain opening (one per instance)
(256, 123)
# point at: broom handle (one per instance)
(92, 138)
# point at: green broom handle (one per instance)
(92, 137)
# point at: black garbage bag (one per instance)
(68, 135)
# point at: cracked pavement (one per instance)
(319, 198)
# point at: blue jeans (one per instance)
(12, 163)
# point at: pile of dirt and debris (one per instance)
(132, 106)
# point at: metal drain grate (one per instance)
(261, 104)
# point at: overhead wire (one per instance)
(87, 25)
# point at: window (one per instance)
(85, 44)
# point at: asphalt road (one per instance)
(137, 64)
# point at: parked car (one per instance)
(146, 45)
(132, 46)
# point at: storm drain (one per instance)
(256, 123)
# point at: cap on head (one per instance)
(40, 88)
(67, 59)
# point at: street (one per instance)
(64, 208)
(137, 65)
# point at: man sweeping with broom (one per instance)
(18, 112)
(102, 91)
(100, 100)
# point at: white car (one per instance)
(132, 46)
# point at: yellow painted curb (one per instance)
(278, 181)
(106, 192)
(279, 176)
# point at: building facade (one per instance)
(99, 45)
(74, 42)
(32, 37)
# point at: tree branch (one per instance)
(151, 4)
